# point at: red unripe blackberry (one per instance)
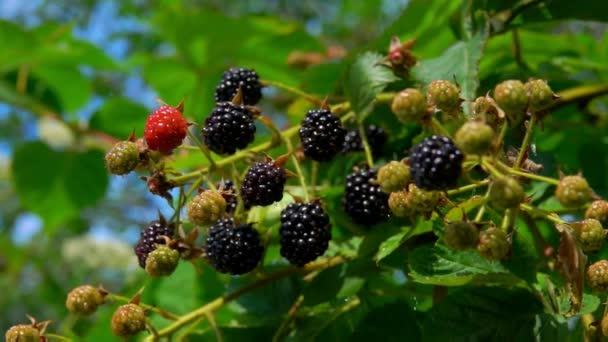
(247, 79)
(84, 300)
(150, 237)
(228, 128)
(376, 138)
(128, 320)
(305, 232)
(435, 163)
(263, 184)
(233, 249)
(165, 129)
(363, 200)
(322, 135)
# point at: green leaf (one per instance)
(170, 291)
(463, 208)
(460, 62)
(483, 314)
(397, 318)
(390, 245)
(74, 90)
(366, 78)
(57, 185)
(440, 265)
(324, 287)
(131, 116)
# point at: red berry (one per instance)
(165, 129)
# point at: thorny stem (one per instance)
(296, 165)
(221, 301)
(525, 143)
(368, 151)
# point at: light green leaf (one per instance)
(57, 185)
(460, 62)
(366, 78)
(440, 265)
(74, 90)
(390, 245)
(131, 116)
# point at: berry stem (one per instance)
(501, 136)
(490, 168)
(197, 183)
(57, 337)
(278, 335)
(314, 173)
(296, 165)
(534, 176)
(507, 221)
(525, 143)
(308, 97)
(438, 128)
(536, 212)
(159, 311)
(468, 187)
(201, 147)
(368, 151)
(221, 301)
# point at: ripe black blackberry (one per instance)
(376, 137)
(305, 232)
(228, 128)
(247, 79)
(363, 200)
(150, 236)
(229, 193)
(322, 135)
(233, 249)
(263, 184)
(435, 163)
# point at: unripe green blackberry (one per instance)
(162, 261)
(573, 191)
(474, 137)
(598, 210)
(413, 203)
(597, 276)
(493, 243)
(409, 105)
(393, 176)
(444, 95)
(511, 97)
(485, 109)
(122, 158)
(506, 193)
(128, 320)
(206, 208)
(23, 333)
(539, 93)
(590, 234)
(460, 235)
(84, 300)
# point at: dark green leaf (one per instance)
(131, 116)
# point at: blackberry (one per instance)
(84, 300)
(233, 249)
(247, 79)
(511, 97)
(151, 236)
(128, 320)
(376, 137)
(409, 105)
(322, 135)
(597, 276)
(435, 163)
(263, 184)
(444, 95)
(229, 194)
(573, 191)
(228, 128)
(305, 232)
(363, 200)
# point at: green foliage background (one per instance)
(64, 96)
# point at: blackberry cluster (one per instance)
(228, 128)
(305, 232)
(233, 249)
(263, 184)
(234, 78)
(322, 135)
(363, 200)
(229, 193)
(151, 236)
(376, 137)
(435, 163)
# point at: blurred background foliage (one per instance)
(77, 74)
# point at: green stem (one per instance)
(278, 335)
(535, 212)
(221, 301)
(525, 142)
(310, 98)
(201, 147)
(534, 176)
(57, 337)
(468, 187)
(296, 165)
(490, 168)
(313, 178)
(438, 128)
(368, 151)
(159, 311)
